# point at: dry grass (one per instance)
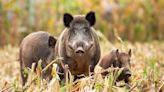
(147, 67)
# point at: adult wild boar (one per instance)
(36, 46)
(118, 59)
(78, 44)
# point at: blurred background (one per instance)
(133, 20)
(135, 24)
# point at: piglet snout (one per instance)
(128, 74)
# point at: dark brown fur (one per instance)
(36, 46)
(78, 64)
(117, 59)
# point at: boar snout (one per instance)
(79, 50)
(80, 47)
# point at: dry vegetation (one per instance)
(147, 68)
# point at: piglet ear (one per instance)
(52, 41)
(67, 19)
(116, 63)
(130, 52)
(117, 52)
(90, 17)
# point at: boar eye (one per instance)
(73, 30)
(86, 29)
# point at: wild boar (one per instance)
(78, 44)
(118, 59)
(36, 46)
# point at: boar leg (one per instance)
(24, 65)
(24, 77)
(61, 73)
(92, 67)
(47, 74)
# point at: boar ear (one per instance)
(130, 52)
(90, 17)
(67, 19)
(52, 41)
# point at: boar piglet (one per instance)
(36, 46)
(118, 59)
(78, 44)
